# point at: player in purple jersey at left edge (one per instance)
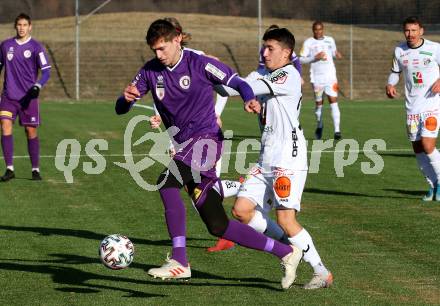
(22, 57)
(181, 83)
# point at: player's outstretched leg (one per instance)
(230, 189)
(322, 278)
(214, 216)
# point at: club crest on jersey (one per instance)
(27, 53)
(185, 82)
(279, 78)
(426, 61)
(160, 87)
(10, 54)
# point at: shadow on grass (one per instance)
(418, 193)
(79, 280)
(86, 234)
(356, 194)
(410, 155)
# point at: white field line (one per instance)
(225, 153)
(144, 106)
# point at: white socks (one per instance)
(336, 116)
(426, 168)
(434, 159)
(267, 226)
(304, 241)
(318, 114)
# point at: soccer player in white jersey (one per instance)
(419, 59)
(319, 51)
(277, 181)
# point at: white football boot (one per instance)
(320, 281)
(172, 269)
(290, 263)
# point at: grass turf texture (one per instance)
(372, 231)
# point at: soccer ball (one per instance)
(116, 252)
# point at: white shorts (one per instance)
(422, 125)
(279, 189)
(330, 89)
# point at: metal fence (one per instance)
(95, 54)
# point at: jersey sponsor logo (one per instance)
(160, 87)
(42, 58)
(417, 77)
(425, 52)
(27, 53)
(282, 187)
(185, 82)
(6, 114)
(279, 78)
(405, 62)
(294, 144)
(215, 71)
(431, 123)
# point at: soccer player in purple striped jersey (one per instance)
(22, 57)
(181, 83)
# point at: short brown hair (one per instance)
(186, 37)
(22, 16)
(317, 22)
(161, 29)
(412, 20)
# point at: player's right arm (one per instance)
(133, 92)
(393, 78)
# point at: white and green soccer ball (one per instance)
(116, 252)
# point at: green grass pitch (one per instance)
(372, 231)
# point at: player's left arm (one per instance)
(219, 73)
(336, 54)
(296, 63)
(44, 65)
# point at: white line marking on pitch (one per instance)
(226, 153)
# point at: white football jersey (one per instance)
(322, 72)
(282, 142)
(420, 67)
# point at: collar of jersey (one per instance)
(281, 67)
(423, 42)
(178, 62)
(22, 43)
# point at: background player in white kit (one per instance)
(419, 60)
(277, 181)
(319, 51)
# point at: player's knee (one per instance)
(217, 227)
(243, 210)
